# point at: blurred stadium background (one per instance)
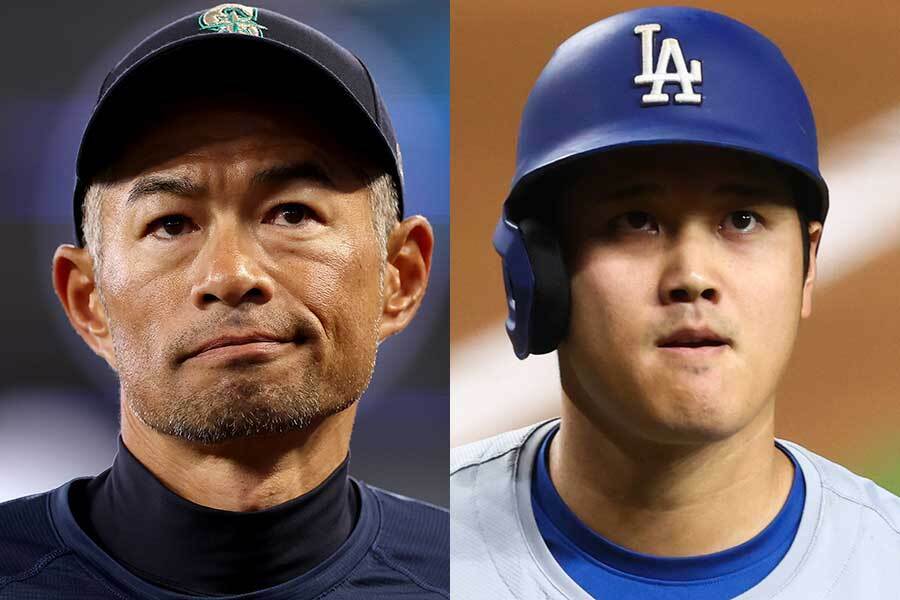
(58, 401)
(841, 397)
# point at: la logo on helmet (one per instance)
(669, 52)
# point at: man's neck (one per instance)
(670, 499)
(245, 474)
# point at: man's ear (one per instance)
(73, 282)
(815, 233)
(406, 273)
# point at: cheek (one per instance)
(607, 295)
(139, 302)
(604, 353)
(321, 282)
(769, 301)
(341, 288)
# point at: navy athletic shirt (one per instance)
(123, 535)
(606, 570)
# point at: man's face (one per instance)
(226, 220)
(661, 239)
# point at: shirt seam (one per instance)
(520, 523)
(35, 568)
(85, 565)
(481, 461)
(850, 554)
(377, 553)
(875, 510)
(478, 515)
(527, 434)
(779, 591)
(369, 550)
(88, 568)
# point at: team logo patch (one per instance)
(232, 18)
(669, 53)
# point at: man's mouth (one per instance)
(238, 344)
(694, 340)
(694, 344)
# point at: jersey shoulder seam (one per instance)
(874, 509)
(96, 577)
(381, 556)
(482, 461)
(36, 568)
(377, 553)
(525, 432)
(856, 543)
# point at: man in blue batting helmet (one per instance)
(742, 94)
(661, 234)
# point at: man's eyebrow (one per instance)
(293, 172)
(163, 184)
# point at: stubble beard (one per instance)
(243, 405)
(239, 408)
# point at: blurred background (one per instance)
(58, 401)
(841, 396)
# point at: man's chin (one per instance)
(208, 424)
(221, 433)
(701, 426)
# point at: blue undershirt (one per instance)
(606, 570)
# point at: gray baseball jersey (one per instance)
(847, 546)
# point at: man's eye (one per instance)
(172, 225)
(635, 220)
(742, 221)
(292, 214)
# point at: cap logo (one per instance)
(232, 18)
(669, 52)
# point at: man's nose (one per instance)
(229, 271)
(691, 269)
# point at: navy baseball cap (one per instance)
(236, 47)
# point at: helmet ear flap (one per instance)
(550, 310)
(537, 285)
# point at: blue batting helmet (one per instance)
(646, 77)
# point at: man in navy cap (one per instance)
(241, 253)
